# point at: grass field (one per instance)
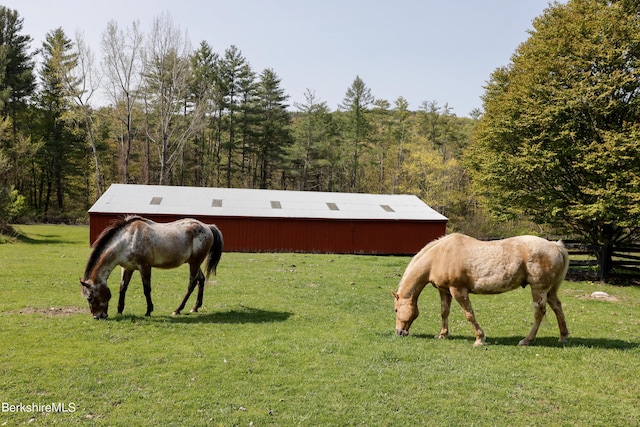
(299, 339)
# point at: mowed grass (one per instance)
(300, 339)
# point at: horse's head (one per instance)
(406, 312)
(98, 296)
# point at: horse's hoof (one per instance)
(175, 313)
(478, 343)
(440, 337)
(524, 343)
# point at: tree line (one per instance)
(173, 115)
(555, 149)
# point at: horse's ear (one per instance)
(85, 284)
(395, 295)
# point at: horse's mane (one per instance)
(430, 245)
(436, 241)
(105, 237)
(422, 251)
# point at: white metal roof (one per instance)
(236, 202)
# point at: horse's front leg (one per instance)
(145, 272)
(462, 296)
(445, 308)
(124, 284)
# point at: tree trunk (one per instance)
(605, 261)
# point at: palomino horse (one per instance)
(459, 265)
(137, 243)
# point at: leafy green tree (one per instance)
(559, 139)
(441, 128)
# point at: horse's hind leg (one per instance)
(556, 306)
(539, 309)
(200, 281)
(462, 296)
(193, 279)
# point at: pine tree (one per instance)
(58, 86)
(356, 103)
(234, 70)
(273, 137)
(16, 64)
(202, 86)
(314, 131)
(17, 84)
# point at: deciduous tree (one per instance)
(122, 64)
(559, 141)
(167, 76)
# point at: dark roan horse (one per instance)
(137, 243)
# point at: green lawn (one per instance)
(299, 339)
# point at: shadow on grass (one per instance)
(47, 239)
(235, 316)
(604, 343)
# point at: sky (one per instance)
(422, 50)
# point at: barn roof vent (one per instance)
(332, 206)
(216, 203)
(387, 208)
(156, 200)
(276, 204)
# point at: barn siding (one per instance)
(246, 234)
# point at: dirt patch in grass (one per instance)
(52, 311)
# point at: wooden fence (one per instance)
(583, 259)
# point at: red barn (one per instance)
(282, 221)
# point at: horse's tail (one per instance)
(565, 267)
(216, 250)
